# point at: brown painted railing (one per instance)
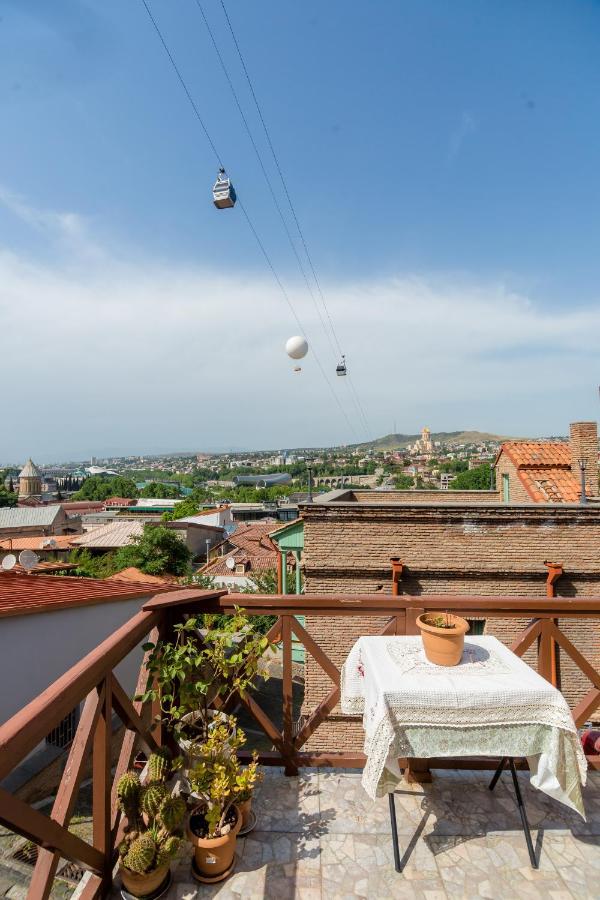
(93, 682)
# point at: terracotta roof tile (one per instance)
(39, 542)
(550, 484)
(538, 453)
(22, 595)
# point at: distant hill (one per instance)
(397, 441)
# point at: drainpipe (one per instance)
(555, 570)
(397, 567)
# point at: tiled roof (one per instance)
(23, 595)
(39, 542)
(538, 453)
(131, 575)
(30, 470)
(115, 534)
(28, 516)
(250, 544)
(551, 484)
(119, 501)
(544, 469)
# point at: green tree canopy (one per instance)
(403, 482)
(8, 498)
(157, 551)
(101, 487)
(477, 479)
(165, 491)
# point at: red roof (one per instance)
(119, 501)
(251, 545)
(544, 470)
(22, 595)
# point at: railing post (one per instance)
(288, 696)
(546, 655)
(101, 782)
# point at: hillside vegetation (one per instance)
(396, 441)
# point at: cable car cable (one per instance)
(247, 217)
(264, 171)
(291, 205)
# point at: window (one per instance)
(63, 734)
(505, 488)
(476, 626)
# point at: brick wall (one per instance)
(517, 492)
(444, 497)
(583, 441)
(494, 550)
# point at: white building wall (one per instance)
(36, 649)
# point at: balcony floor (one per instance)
(319, 836)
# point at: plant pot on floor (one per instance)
(248, 816)
(443, 636)
(143, 885)
(213, 857)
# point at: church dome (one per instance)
(30, 470)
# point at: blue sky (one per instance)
(443, 160)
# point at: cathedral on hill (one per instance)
(424, 444)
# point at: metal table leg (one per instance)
(397, 865)
(520, 804)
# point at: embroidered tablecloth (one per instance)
(491, 704)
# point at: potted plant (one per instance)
(443, 636)
(153, 828)
(210, 660)
(246, 782)
(218, 782)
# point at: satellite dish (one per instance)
(296, 347)
(28, 559)
(230, 562)
(49, 543)
(9, 562)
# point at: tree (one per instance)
(473, 480)
(157, 551)
(156, 489)
(101, 487)
(403, 482)
(191, 506)
(7, 498)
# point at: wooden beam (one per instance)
(287, 692)
(585, 707)
(128, 715)
(318, 716)
(184, 597)
(580, 661)
(46, 865)
(526, 638)
(101, 782)
(33, 825)
(316, 652)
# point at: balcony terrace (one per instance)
(317, 833)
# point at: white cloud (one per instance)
(107, 356)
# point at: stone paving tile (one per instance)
(288, 804)
(346, 808)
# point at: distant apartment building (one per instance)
(446, 478)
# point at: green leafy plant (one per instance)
(154, 818)
(203, 668)
(443, 620)
(218, 778)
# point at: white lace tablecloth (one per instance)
(491, 704)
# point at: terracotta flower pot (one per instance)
(443, 646)
(214, 857)
(143, 885)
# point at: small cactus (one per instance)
(159, 765)
(171, 812)
(128, 789)
(167, 850)
(140, 856)
(153, 796)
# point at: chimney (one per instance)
(583, 441)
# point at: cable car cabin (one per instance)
(340, 369)
(224, 196)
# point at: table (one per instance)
(491, 704)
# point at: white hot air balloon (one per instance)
(296, 347)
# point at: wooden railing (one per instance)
(93, 682)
